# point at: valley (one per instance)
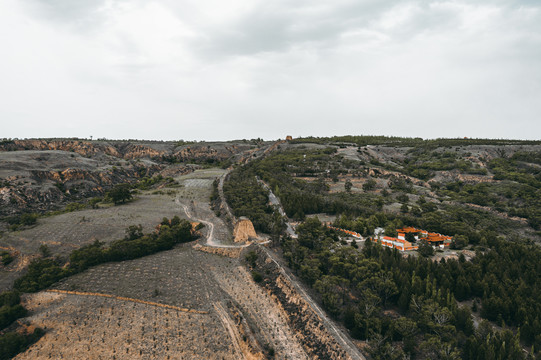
(185, 303)
(261, 276)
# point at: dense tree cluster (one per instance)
(515, 199)
(10, 308)
(422, 163)
(11, 342)
(44, 272)
(409, 305)
(247, 197)
(25, 219)
(412, 305)
(522, 167)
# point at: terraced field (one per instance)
(66, 232)
(177, 304)
(93, 327)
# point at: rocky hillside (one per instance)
(33, 180)
(159, 151)
(38, 175)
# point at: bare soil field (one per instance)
(260, 310)
(177, 304)
(92, 327)
(175, 277)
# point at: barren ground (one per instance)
(178, 304)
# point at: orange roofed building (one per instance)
(433, 239)
(349, 232)
(396, 243)
(400, 243)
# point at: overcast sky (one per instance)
(218, 70)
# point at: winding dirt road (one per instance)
(210, 240)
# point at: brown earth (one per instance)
(244, 230)
(319, 337)
(222, 251)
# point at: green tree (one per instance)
(6, 258)
(411, 238)
(390, 230)
(403, 198)
(120, 193)
(134, 232)
(348, 185)
(257, 276)
(251, 258)
(459, 242)
(44, 250)
(370, 184)
(425, 249)
(29, 219)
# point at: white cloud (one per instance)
(210, 70)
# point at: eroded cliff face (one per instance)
(44, 174)
(309, 329)
(244, 230)
(208, 153)
(198, 153)
(124, 150)
(85, 148)
(160, 151)
(135, 151)
(40, 190)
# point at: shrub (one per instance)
(6, 257)
(425, 249)
(251, 258)
(257, 276)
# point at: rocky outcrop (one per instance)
(85, 148)
(244, 230)
(43, 174)
(136, 151)
(197, 153)
(40, 190)
(161, 151)
(205, 153)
